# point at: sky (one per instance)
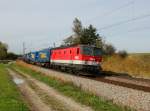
(40, 23)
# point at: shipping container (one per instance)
(34, 56)
(44, 56)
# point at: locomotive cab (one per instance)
(90, 58)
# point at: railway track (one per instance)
(119, 80)
(127, 84)
(124, 81)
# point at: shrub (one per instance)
(108, 49)
(123, 54)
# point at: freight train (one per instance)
(75, 58)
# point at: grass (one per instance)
(68, 89)
(10, 98)
(135, 64)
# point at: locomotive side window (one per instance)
(97, 51)
(77, 50)
(93, 51)
(87, 50)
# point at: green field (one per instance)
(68, 89)
(10, 98)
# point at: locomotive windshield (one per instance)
(97, 51)
(93, 51)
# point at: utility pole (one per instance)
(54, 45)
(23, 48)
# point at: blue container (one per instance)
(44, 56)
(33, 56)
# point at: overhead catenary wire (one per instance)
(124, 22)
(139, 29)
(113, 10)
(132, 31)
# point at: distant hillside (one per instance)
(137, 64)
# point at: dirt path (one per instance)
(67, 102)
(30, 96)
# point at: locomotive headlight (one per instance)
(92, 59)
(76, 57)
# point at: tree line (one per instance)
(4, 54)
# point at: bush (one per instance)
(3, 50)
(11, 56)
(123, 54)
(108, 49)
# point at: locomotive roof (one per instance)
(62, 47)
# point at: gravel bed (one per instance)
(135, 99)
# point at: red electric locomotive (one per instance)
(77, 57)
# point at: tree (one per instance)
(77, 27)
(75, 37)
(99, 42)
(81, 35)
(11, 56)
(68, 41)
(90, 36)
(108, 49)
(3, 50)
(123, 53)
(6, 55)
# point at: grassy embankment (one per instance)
(135, 64)
(68, 89)
(10, 98)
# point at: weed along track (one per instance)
(126, 94)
